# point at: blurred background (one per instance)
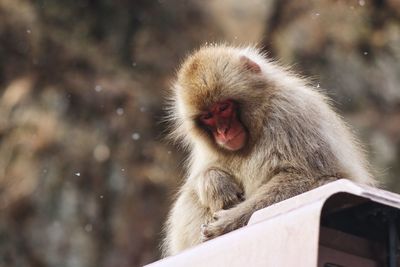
(86, 178)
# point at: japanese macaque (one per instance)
(256, 134)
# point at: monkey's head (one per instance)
(219, 97)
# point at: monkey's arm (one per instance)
(198, 199)
(282, 186)
(218, 190)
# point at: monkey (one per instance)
(256, 134)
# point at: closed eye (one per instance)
(206, 116)
(223, 107)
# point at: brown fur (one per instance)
(296, 143)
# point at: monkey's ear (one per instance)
(250, 64)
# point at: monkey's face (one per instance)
(219, 97)
(222, 121)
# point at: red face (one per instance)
(222, 120)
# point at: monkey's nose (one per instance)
(222, 127)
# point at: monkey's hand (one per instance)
(224, 221)
(218, 190)
(267, 194)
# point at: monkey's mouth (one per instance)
(234, 141)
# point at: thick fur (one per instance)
(296, 143)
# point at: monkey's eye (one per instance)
(223, 107)
(206, 116)
(207, 119)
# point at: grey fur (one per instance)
(296, 143)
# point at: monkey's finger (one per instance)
(205, 232)
(205, 238)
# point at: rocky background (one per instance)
(85, 176)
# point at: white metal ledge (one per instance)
(289, 233)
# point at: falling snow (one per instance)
(88, 227)
(120, 111)
(135, 136)
(98, 88)
(101, 153)
(78, 174)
